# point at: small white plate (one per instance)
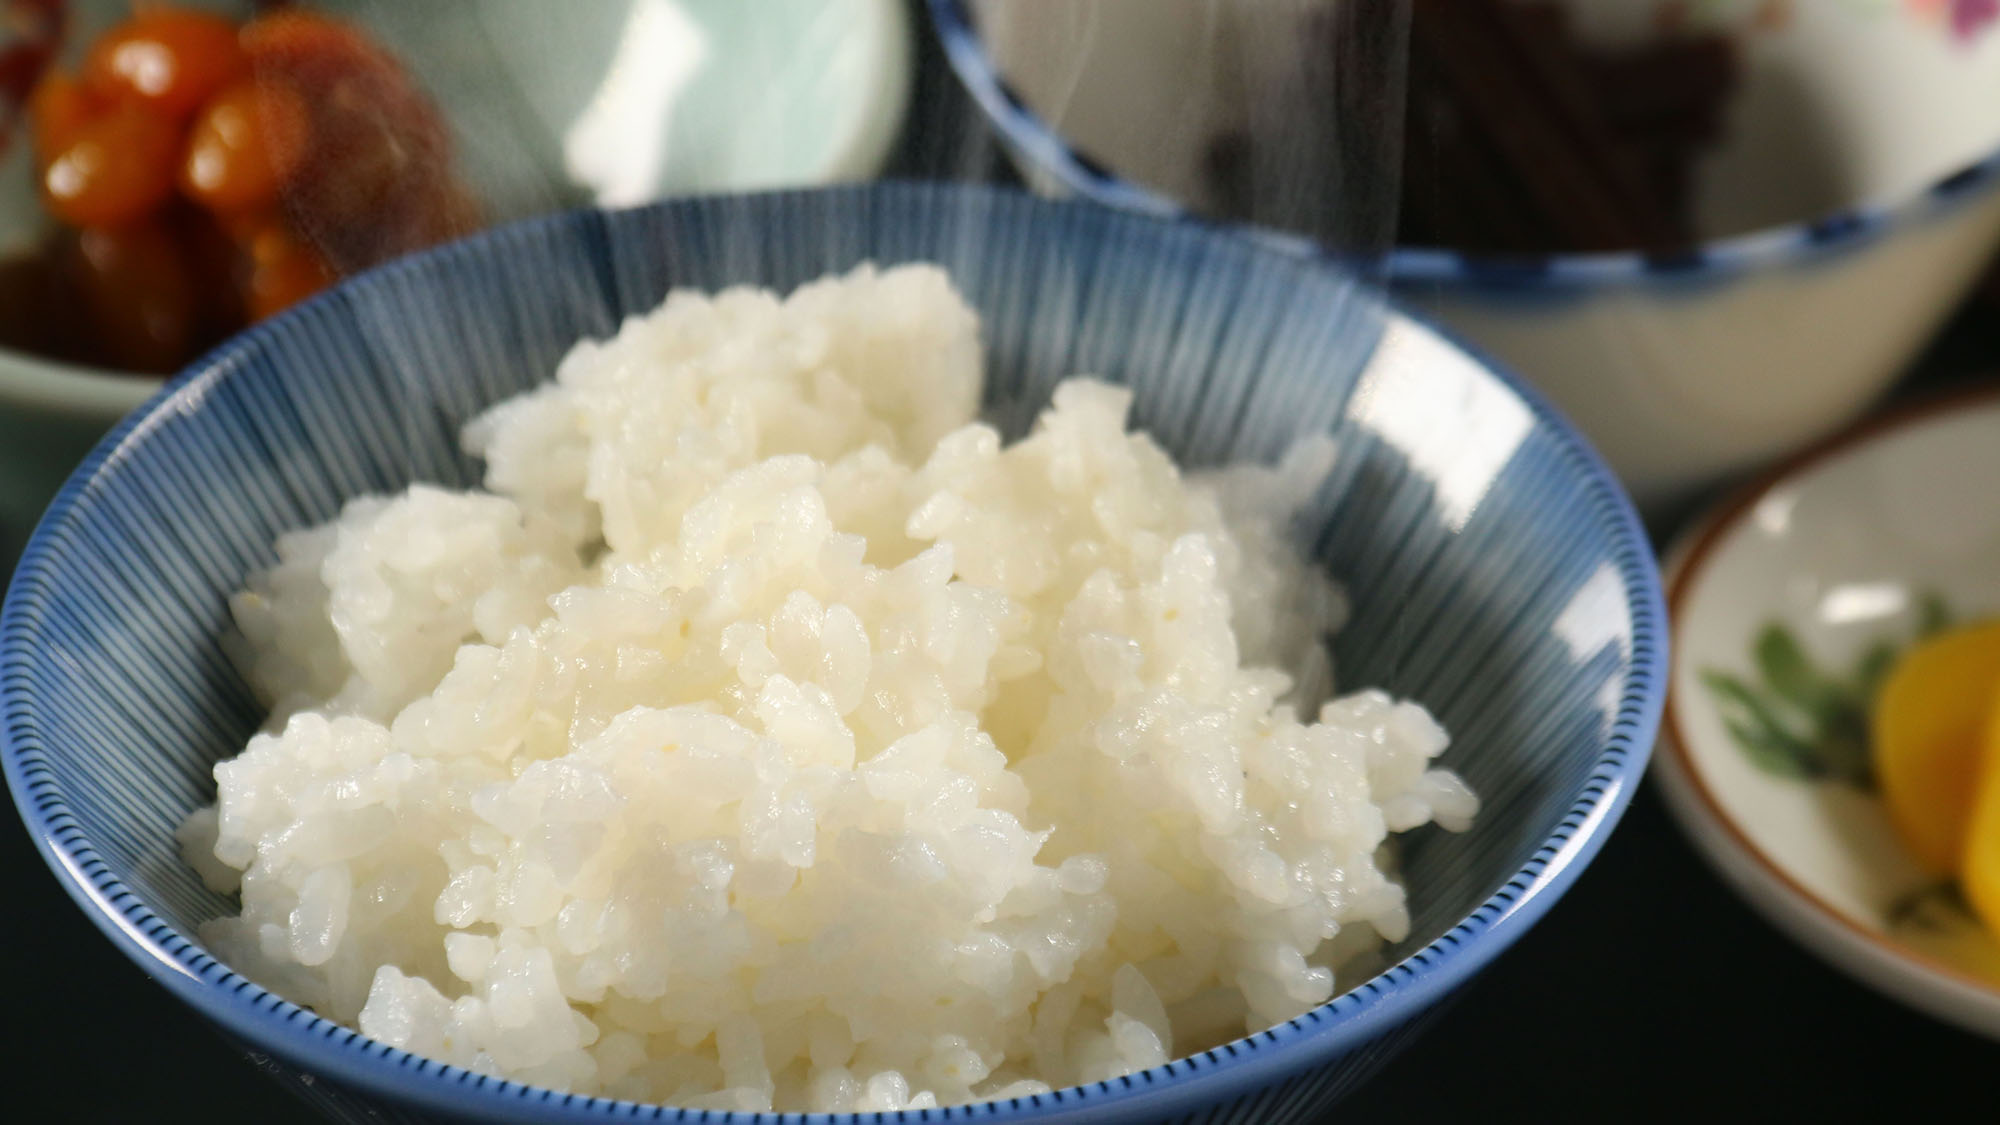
(1803, 587)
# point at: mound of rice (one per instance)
(769, 734)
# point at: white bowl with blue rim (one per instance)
(1849, 208)
(552, 105)
(1498, 572)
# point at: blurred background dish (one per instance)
(1831, 234)
(1788, 606)
(547, 105)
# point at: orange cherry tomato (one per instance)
(249, 139)
(243, 227)
(116, 168)
(57, 110)
(377, 181)
(140, 297)
(306, 45)
(169, 58)
(284, 270)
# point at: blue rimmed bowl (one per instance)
(1498, 571)
(1848, 209)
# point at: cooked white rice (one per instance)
(770, 735)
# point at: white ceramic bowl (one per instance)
(554, 104)
(1856, 546)
(1849, 208)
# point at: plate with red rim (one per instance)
(1788, 604)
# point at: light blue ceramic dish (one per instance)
(1499, 575)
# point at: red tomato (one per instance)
(284, 270)
(243, 227)
(116, 168)
(377, 180)
(169, 58)
(59, 107)
(307, 46)
(247, 142)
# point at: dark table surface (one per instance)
(1650, 992)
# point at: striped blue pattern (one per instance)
(1525, 613)
(1424, 269)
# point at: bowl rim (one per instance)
(303, 1038)
(1841, 229)
(40, 383)
(1908, 975)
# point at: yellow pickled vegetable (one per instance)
(1979, 872)
(1929, 734)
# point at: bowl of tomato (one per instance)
(173, 172)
